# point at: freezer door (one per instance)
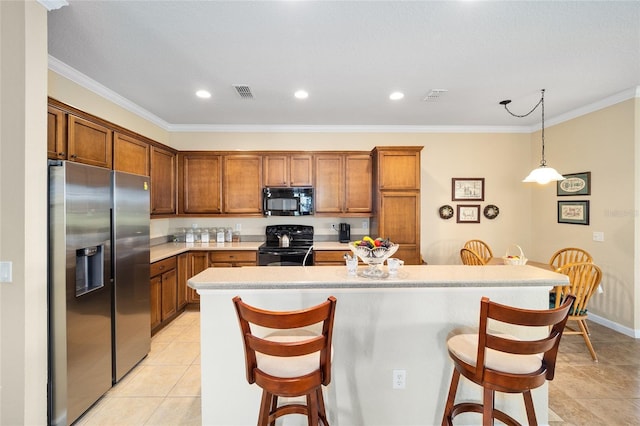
(79, 289)
(131, 319)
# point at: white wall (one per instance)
(23, 216)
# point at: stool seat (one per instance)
(503, 363)
(291, 361)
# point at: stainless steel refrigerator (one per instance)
(98, 290)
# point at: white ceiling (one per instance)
(350, 56)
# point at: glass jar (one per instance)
(189, 237)
(228, 235)
(220, 235)
(204, 235)
(236, 237)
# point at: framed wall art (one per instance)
(575, 212)
(575, 184)
(468, 213)
(465, 189)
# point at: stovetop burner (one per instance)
(300, 236)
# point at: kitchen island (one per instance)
(381, 325)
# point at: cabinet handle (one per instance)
(74, 156)
(62, 154)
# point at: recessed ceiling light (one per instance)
(395, 96)
(301, 94)
(203, 94)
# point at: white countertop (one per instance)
(410, 276)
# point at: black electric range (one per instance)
(298, 252)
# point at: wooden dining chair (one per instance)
(569, 255)
(584, 279)
(481, 248)
(499, 362)
(290, 361)
(470, 257)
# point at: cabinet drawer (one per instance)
(330, 255)
(162, 266)
(233, 256)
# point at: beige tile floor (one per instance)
(164, 389)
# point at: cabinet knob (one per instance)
(74, 156)
(62, 154)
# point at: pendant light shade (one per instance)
(543, 174)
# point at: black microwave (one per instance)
(295, 201)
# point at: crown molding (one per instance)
(53, 4)
(88, 83)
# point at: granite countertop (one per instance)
(163, 251)
(410, 276)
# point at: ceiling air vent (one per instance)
(243, 90)
(434, 95)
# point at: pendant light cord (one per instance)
(543, 162)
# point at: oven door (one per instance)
(289, 257)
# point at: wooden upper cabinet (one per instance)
(56, 134)
(163, 181)
(131, 155)
(398, 167)
(200, 184)
(242, 184)
(358, 183)
(343, 183)
(89, 143)
(329, 183)
(288, 170)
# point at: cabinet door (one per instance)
(130, 155)
(276, 170)
(358, 183)
(89, 143)
(301, 170)
(56, 134)
(400, 222)
(156, 300)
(169, 294)
(398, 168)
(200, 183)
(242, 184)
(198, 262)
(183, 275)
(329, 183)
(163, 181)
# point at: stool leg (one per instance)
(322, 413)
(531, 412)
(274, 407)
(265, 404)
(448, 409)
(312, 408)
(487, 411)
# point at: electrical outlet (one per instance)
(399, 379)
(5, 272)
(598, 236)
(334, 227)
(238, 227)
(365, 224)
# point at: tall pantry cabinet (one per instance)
(396, 191)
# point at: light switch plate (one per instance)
(5, 272)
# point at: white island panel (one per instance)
(380, 326)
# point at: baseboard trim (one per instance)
(615, 326)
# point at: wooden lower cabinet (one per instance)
(164, 290)
(197, 262)
(233, 258)
(329, 257)
(183, 276)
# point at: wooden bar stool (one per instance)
(499, 362)
(290, 361)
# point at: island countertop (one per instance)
(409, 276)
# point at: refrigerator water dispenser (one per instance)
(89, 269)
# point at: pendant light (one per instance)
(543, 174)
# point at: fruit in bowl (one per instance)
(373, 252)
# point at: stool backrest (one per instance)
(481, 248)
(554, 319)
(286, 320)
(470, 257)
(569, 255)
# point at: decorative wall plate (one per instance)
(491, 211)
(446, 212)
